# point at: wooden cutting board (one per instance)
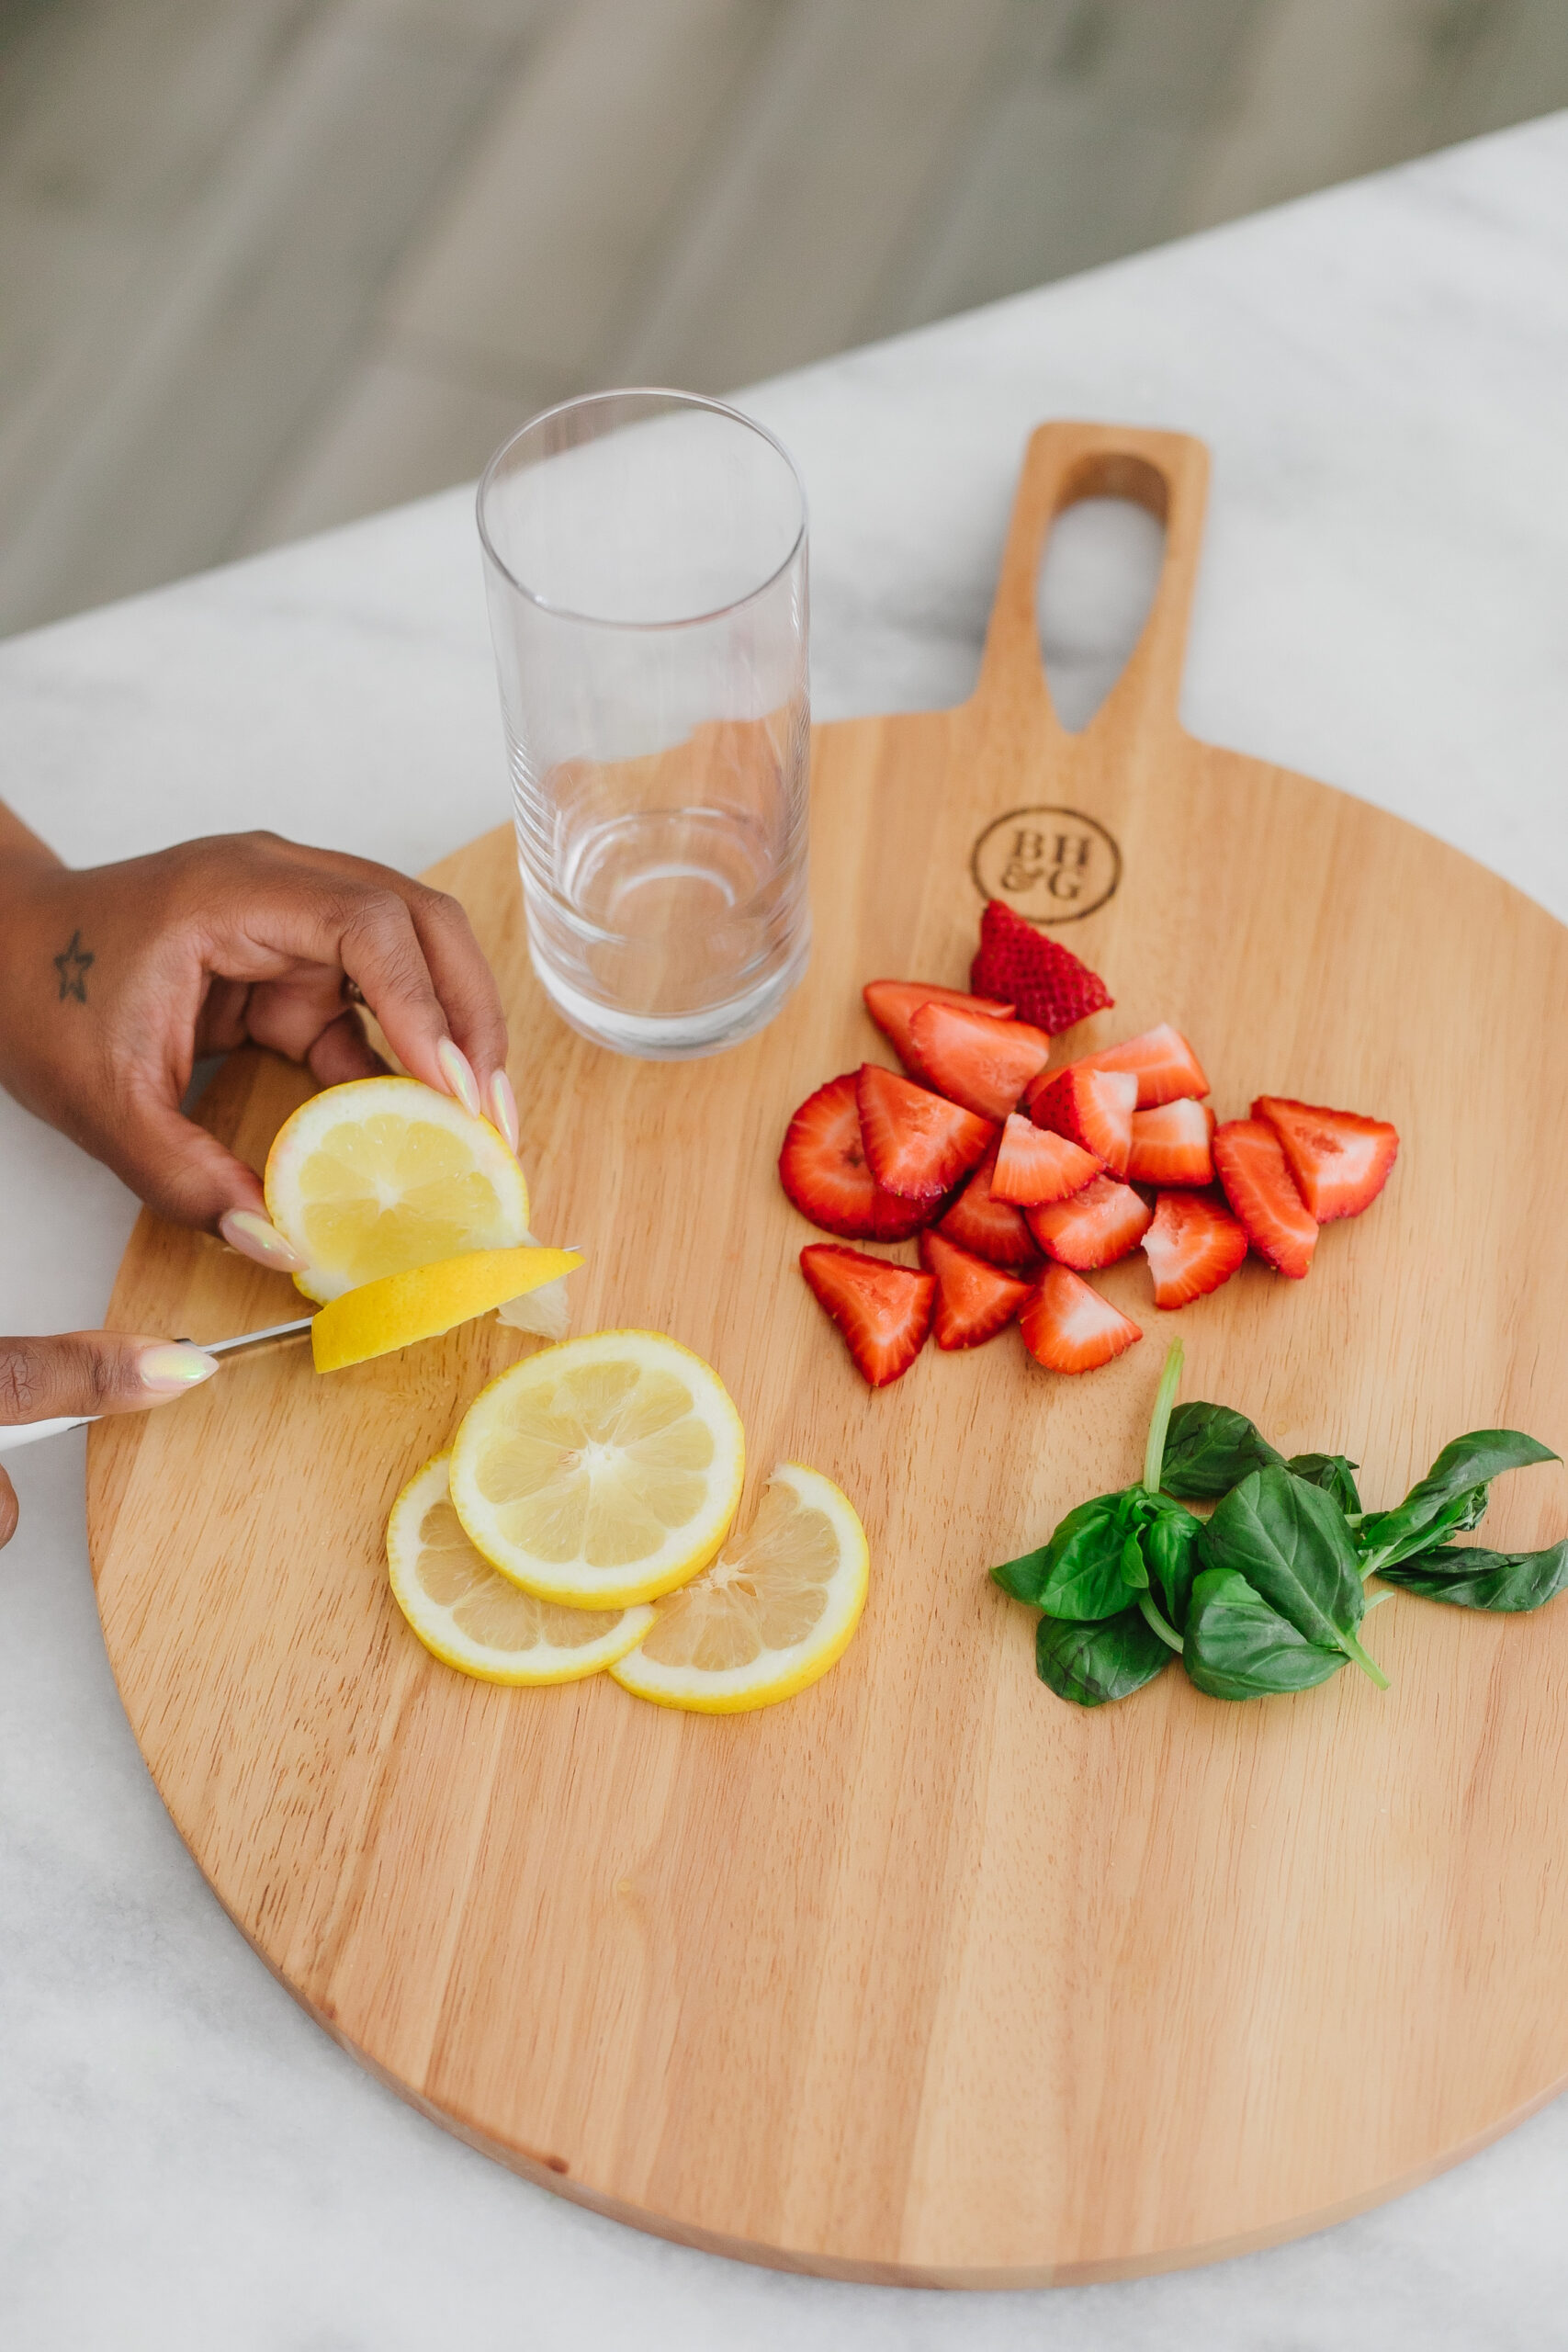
(925, 1976)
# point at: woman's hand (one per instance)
(90, 1373)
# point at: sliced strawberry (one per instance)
(883, 1310)
(974, 1300)
(1069, 1328)
(1193, 1245)
(1340, 1162)
(919, 1146)
(1094, 1228)
(1048, 984)
(1251, 1165)
(1092, 1107)
(983, 1063)
(823, 1168)
(1170, 1145)
(1164, 1064)
(992, 1229)
(1034, 1165)
(892, 1004)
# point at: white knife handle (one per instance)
(18, 1434)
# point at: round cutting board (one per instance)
(925, 1976)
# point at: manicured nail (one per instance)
(503, 1108)
(456, 1069)
(174, 1366)
(253, 1237)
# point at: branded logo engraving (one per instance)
(1050, 866)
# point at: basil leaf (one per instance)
(1237, 1647)
(1332, 1472)
(1209, 1449)
(1452, 1497)
(1170, 1547)
(1092, 1664)
(1468, 1578)
(1078, 1573)
(1291, 1542)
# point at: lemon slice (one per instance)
(382, 1174)
(601, 1471)
(480, 1623)
(774, 1611)
(427, 1300)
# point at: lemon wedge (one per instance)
(477, 1622)
(427, 1300)
(601, 1472)
(773, 1612)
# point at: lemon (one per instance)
(775, 1609)
(601, 1471)
(382, 1174)
(478, 1622)
(428, 1300)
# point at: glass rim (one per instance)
(635, 393)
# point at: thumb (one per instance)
(76, 1373)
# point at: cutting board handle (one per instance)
(1165, 472)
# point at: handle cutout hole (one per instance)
(1097, 582)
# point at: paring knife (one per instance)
(18, 1434)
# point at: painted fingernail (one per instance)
(456, 1069)
(174, 1366)
(253, 1237)
(503, 1108)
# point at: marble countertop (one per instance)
(185, 2160)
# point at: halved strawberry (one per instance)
(1340, 1162)
(991, 1229)
(883, 1310)
(1164, 1064)
(892, 1004)
(1069, 1328)
(974, 1059)
(1092, 1107)
(823, 1168)
(1193, 1245)
(1250, 1163)
(1170, 1145)
(1095, 1227)
(974, 1300)
(919, 1146)
(1047, 983)
(1035, 1165)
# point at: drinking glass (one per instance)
(646, 569)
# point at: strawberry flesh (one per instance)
(1047, 984)
(1090, 1107)
(1170, 1145)
(1094, 1228)
(1163, 1062)
(1340, 1162)
(883, 1310)
(974, 1300)
(892, 1004)
(1250, 1163)
(1193, 1245)
(983, 1063)
(823, 1168)
(918, 1144)
(1067, 1327)
(1035, 1166)
(978, 1221)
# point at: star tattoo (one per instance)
(73, 964)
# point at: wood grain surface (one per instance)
(925, 1976)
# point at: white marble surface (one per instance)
(185, 2161)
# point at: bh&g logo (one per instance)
(1050, 866)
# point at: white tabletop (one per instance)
(185, 2160)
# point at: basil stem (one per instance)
(1159, 1421)
(1152, 1618)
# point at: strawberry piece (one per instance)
(1250, 1163)
(1069, 1328)
(892, 1004)
(1093, 1229)
(1164, 1064)
(974, 1300)
(1193, 1245)
(823, 1168)
(1047, 983)
(1092, 1107)
(918, 1144)
(883, 1310)
(1170, 1145)
(974, 1059)
(1034, 1165)
(978, 1221)
(1340, 1162)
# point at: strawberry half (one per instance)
(1069, 1328)
(1092, 1107)
(1095, 1227)
(1034, 1165)
(1048, 985)
(974, 1300)
(974, 1059)
(919, 1146)
(1250, 1163)
(884, 1311)
(892, 1004)
(979, 1222)
(1164, 1064)
(1340, 1162)
(823, 1168)
(1170, 1145)
(1193, 1245)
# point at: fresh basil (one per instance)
(1209, 1449)
(1093, 1664)
(1078, 1573)
(1449, 1498)
(1239, 1647)
(1292, 1544)
(1468, 1578)
(1332, 1472)
(1170, 1547)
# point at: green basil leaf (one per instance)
(1084, 1578)
(1237, 1647)
(1450, 1498)
(1332, 1472)
(1209, 1449)
(1291, 1542)
(1468, 1578)
(1092, 1664)
(1170, 1547)
(1024, 1577)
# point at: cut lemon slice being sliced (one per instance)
(480, 1623)
(601, 1472)
(382, 1174)
(427, 1300)
(775, 1609)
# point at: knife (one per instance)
(18, 1434)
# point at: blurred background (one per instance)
(268, 264)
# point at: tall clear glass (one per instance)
(646, 566)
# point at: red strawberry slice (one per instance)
(823, 1168)
(1048, 984)
(1092, 1107)
(1340, 1162)
(883, 1310)
(1095, 1227)
(1164, 1064)
(983, 1063)
(979, 1222)
(1069, 1328)
(1251, 1165)
(1170, 1145)
(919, 1146)
(1193, 1245)
(974, 1300)
(1034, 1165)
(892, 1004)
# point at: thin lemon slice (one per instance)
(601, 1471)
(382, 1174)
(775, 1609)
(427, 1300)
(480, 1623)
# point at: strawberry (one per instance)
(918, 1144)
(1340, 1162)
(978, 1221)
(1047, 984)
(822, 1167)
(883, 1310)
(1095, 1227)
(1165, 1066)
(1193, 1245)
(1092, 1107)
(1035, 1166)
(974, 1300)
(974, 1059)
(1170, 1145)
(1069, 1328)
(1251, 1165)
(892, 1004)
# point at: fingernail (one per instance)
(174, 1366)
(456, 1069)
(503, 1108)
(253, 1237)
